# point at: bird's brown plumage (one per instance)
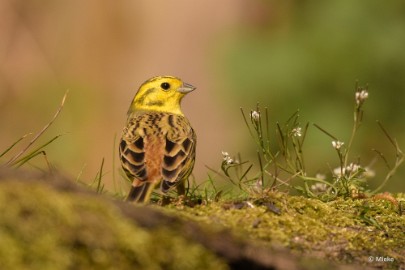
(157, 147)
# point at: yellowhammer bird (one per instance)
(158, 142)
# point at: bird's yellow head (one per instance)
(162, 94)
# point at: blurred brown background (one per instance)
(285, 54)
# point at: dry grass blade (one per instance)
(12, 160)
(381, 155)
(246, 122)
(99, 177)
(261, 168)
(34, 153)
(304, 134)
(267, 124)
(391, 173)
(392, 141)
(327, 133)
(14, 144)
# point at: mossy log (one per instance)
(50, 222)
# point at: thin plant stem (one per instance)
(14, 144)
(354, 130)
(12, 160)
(399, 159)
(34, 153)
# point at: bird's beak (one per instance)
(186, 88)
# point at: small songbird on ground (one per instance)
(158, 143)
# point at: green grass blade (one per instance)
(14, 144)
(39, 134)
(34, 153)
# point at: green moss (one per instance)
(41, 228)
(344, 231)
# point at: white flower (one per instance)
(255, 116)
(361, 96)
(320, 176)
(338, 171)
(337, 144)
(257, 187)
(227, 158)
(319, 187)
(353, 167)
(297, 132)
(368, 173)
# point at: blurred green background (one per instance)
(287, 55)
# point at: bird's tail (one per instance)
(140, 194)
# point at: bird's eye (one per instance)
(165, 86)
